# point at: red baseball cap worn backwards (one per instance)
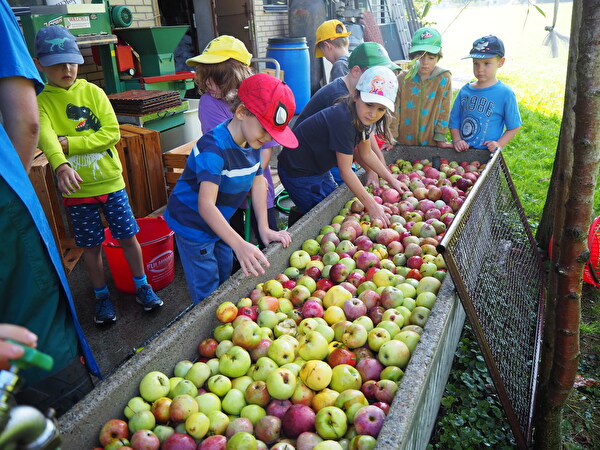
(273, 104)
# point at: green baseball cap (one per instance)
(426, 39)
(369, 54)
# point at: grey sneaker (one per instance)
(105, 311)
(146, 297)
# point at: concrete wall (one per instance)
(415, 406)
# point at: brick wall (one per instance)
(267, 25)
(145, 14)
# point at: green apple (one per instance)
(293, 367)
(117, 443)
(377, 337)
(285, 305)
(292, 272)
(427, 269)
(384, 278)
(142, 420)
(326, 331)
(313, 346)
(350, 401)
(428, 284)
(394, 315)
(281, 351)
(308, 282)
(267, 318)
(233, 402)
(253, 412)
(247, 334)
(330, 258)
(272, 288)
(242, 383)
(389, 326)
(154, 385)
(334, 314)
(213, 364)
(242, 440)
(219, 385)
(410, 338)
(344, 376)
(208, 402)
(235, 363)
(316, 374)
(281, 384)
(426, 299)
(134, 405)
(355, 336)
(182, 367)
(219, 421)
(198, 374)
(419, 316)
(365, 285)
(223, 346)
(197, 425)
(407, 289)
(243, 302)
(299, 259)
(162, 432)
(331, 423)
(394, 353)
(173, 382)
(391, 373)
(308, 324)
(262, 368)
(184, 387)
(311, 246)
(339, 328)
(336, 296)
(223, 332)
(287, 326)
(329, 445)
(365, 321)
(409, 303)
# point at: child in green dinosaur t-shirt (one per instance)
(78, 133)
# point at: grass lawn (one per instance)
(538, 81)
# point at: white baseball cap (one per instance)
(378, 84)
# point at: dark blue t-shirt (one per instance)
(320, 137)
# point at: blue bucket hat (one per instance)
(56, 45)
(486, 47)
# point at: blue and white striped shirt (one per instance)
(216, 158)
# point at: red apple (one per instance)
(341, 355)
(113, 429)
(208, 347)
(298, 419)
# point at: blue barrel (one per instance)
(292, 55)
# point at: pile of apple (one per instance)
(312, 359)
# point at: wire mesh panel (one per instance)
(496, 267)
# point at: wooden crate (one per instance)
(140, 153)
(42, 179)
(174, 161)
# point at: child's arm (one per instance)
(106, 136)
(259, 204)
(459, 144)
(375, 210)
(68, 179)
(364, 150)
(502, 141)
(250, 257)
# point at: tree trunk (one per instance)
(571, 227)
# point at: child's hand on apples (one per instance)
(267, 235)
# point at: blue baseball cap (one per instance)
(56, 45)
(486, 47)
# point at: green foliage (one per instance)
(471, 413)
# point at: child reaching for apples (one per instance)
(222, 168)
(220, 68)
(327, 139)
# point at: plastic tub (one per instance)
(156, 240)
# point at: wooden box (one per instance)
(140, 153)
(174, 161)
(42, 179)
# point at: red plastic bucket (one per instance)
(156, 240)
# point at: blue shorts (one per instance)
(206, 265)
(87, 224)
(306, 192)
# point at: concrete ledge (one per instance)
(415, 406)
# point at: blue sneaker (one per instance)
(105, 311)
(146, 297)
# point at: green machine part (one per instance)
(91, 24)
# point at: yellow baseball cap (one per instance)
(330, 29)
(221, 49)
